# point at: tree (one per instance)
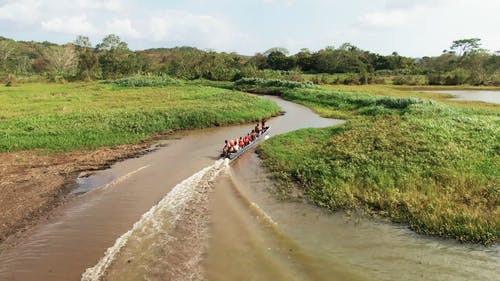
(278, 61)
(348, 47)
(466, 46)
(115, 58)
(259, 61)
(111, 42)
(282, 50)
(7, 50)
(471, 58)
(87, 58)
(474, 63)
(22, 64)
(83, 42)
(87, 63)
(305, 59)
(62, 60)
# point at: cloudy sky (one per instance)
(412, 28)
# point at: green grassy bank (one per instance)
(431, 165)
(63, 117)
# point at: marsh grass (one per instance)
(144, 81)
(420, 92)
(431, 165)
(56, 117)
(270, 86)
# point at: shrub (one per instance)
(143, 81)
(272, 83)
(412, 80)
(10, 80)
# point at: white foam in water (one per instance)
(173, 203)
(263, 214)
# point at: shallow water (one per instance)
(303, 242)
(468, 95)
(178, 213)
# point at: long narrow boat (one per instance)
(241, 151)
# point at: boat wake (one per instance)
(149, 240)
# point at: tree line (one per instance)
(464, 63)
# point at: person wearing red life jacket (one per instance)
(232, 148)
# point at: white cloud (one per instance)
(70, 25)
(122, 27)
(97, 18)
(387, 19)
(100, 5)
(50, 11)
(400, 12)
(25, 11)
(208, 31)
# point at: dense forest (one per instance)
(464, 63)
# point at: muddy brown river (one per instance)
(179, 213)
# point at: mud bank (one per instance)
(32, 184)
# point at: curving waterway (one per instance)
(179, 213)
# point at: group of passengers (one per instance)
(233, 146)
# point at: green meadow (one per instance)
(432, 165)
(64, 117)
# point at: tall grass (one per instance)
(270, 86)
(87, 115)
(431, 165)
(144, 81)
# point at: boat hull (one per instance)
(235, 155)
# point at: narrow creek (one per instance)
(180, 214)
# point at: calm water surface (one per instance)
(486, 96)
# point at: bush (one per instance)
(143, 81)
(412, 80)
(352, 79)
(349, 101)
(455, 77)
(10, 80)
(273, 83)
(397, 103)
(493, 80)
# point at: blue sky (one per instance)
(412, 28)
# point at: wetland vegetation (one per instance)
(432, 165)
